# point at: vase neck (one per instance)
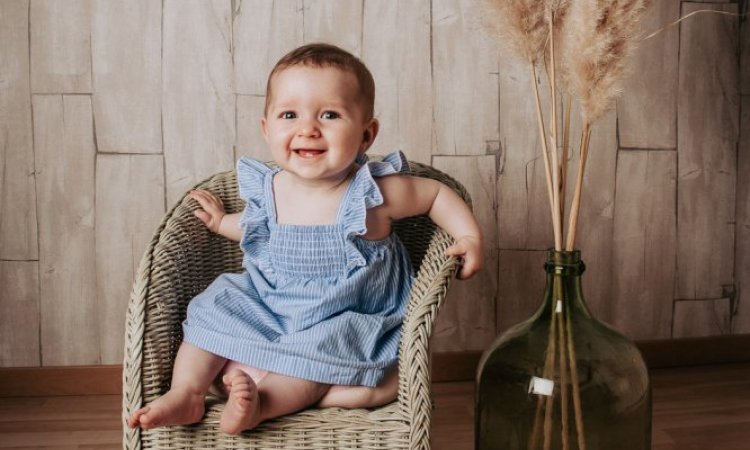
(564, 270)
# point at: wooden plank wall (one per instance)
(741, 309)
(111, 110)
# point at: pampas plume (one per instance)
(520, 24)
(599, 37)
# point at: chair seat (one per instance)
(329, 428)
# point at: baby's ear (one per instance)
(264, 128)
(371, 131)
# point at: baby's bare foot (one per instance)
(176, 407)
(242, 411)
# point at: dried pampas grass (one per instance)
(584, 46)
(520, 24)
(599, 36)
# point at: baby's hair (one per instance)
(327, 55)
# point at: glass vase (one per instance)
(562, 380)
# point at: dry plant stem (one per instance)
(580, 429)
(544, 404)
(564, 158)
(556, 219)
(534, 439)
(549, 365)
(563, 372)
(576, 204)
(547, 170)
(548, 422)
(710, 11)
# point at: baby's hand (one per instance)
(470, 248)
(212, 208)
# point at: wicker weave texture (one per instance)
(183, 257)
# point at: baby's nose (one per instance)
(309, 128)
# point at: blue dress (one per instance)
(316, 302)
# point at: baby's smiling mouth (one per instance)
(308, 152)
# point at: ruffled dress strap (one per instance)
(254, 180)
(363, 194)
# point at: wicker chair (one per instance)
(184, 257)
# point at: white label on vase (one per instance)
(541, 386)
(558, 308)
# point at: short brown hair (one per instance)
(327, 55)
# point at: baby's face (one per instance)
(315, 125)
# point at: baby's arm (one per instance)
(214, 217)
(407, 196)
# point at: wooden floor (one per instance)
(698, 408)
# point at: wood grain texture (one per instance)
(403, 78)
(698, 351)
(126, 60)
(186, 78)
(467, 321)
(694, 408)
(60, 46)
(520, 286)
(745, 54)
(596, 218)
(198, 98)
(465, 74)
(708, 114)
(19, 305)
(60, 381)
(646, 111)
(741, 322)
(250, 141)
(334, 21)
(64, 158)
(701, 408)
(61, 423)
(129, 206)
(18, 233)
(696, 318)
(263, 31)
(644, 244)
(523, 212)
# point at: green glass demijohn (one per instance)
(562, 380)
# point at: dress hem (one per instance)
(293, 366)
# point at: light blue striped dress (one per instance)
(316, 302)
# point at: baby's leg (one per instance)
(363, 396)
(274, 396)
(194, 370)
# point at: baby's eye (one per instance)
(288, 115)
(330, 115)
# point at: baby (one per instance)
(315, 317)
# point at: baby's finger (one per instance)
(209, 202)
(202, 215)
(198, 197)
(455, 250)
(206, 196)
(197, 193)
(471, 266)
